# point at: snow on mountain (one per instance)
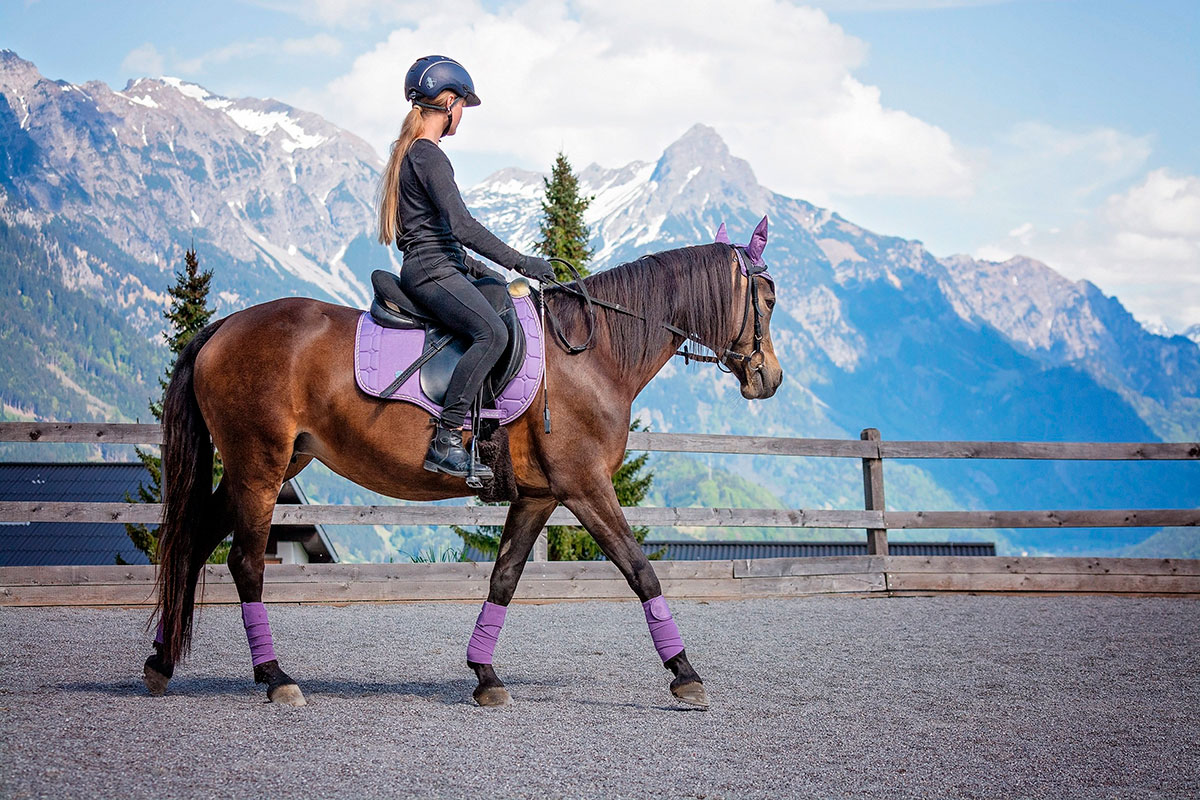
(267, 191)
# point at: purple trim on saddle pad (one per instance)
(382, 354)
(663, 630)
(486, 634)
(258, 633)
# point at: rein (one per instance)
(755, 359)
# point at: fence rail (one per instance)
(870, 449)
(135, 433)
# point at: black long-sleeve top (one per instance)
(433, 217)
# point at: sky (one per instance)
(1061, 130)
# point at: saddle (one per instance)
(392, 308)
(402, 353)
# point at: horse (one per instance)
(272, 388)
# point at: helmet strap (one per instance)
(447, 110)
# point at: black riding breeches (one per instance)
(444, 291)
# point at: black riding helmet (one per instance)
(429, 76)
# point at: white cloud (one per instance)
(143, 61)
(1141, 244)
(1075, 164)
(321, 44)
(612, 81)
(1161, 206)
(354, 14)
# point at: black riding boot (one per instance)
(447, 454)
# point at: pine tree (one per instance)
(187, 315)
(565, 235)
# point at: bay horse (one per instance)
(272, 387)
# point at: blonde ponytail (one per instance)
(389, 182)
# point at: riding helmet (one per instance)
(428, 76)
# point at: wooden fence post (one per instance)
(877, 544)
(541, 548)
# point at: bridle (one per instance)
(746, 266)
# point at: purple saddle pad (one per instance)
(382, 354)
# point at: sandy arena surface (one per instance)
(950, 696)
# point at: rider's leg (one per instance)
(448, 295)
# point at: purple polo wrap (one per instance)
(258, 633)
(486, 634)
(158, 634)
(663, 629)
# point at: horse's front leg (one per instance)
(526, 518)
(597, 507)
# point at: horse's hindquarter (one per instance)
(278, 378)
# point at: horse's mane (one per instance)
(691, 287)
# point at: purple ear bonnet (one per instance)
(758, 243)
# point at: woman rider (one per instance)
(421, 210)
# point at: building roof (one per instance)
(55, 543)
(51, 543)
(691, 550)
(721, 550)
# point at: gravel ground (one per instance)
(951, 696)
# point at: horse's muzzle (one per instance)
(761, 383)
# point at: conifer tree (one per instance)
(564, 234)
(187, 315)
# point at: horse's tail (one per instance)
(187, 464)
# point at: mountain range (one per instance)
(101, 191)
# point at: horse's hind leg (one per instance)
(254, 488)
(157, 671)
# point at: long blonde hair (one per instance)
(389, 182)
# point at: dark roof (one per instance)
(720, 551)
(30, 544)
(729, 550)
(51, 543)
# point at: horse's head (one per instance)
(756, 368)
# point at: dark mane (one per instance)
(690, 287)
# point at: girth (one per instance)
(392, 308)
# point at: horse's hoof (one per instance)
(288, 694)
(692, 693)
(492, 696)
(155, 681)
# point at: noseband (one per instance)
(746, 266)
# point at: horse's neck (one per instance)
(653, 364)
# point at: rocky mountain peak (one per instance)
(16, 74)
(698, 167)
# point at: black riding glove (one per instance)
(538, 269)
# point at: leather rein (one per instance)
(754, 360)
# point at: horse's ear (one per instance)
(722, 235)
(758, 242)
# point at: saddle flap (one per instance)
(436, 373)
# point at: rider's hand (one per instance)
(539, 269)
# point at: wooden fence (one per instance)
(870, 449)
